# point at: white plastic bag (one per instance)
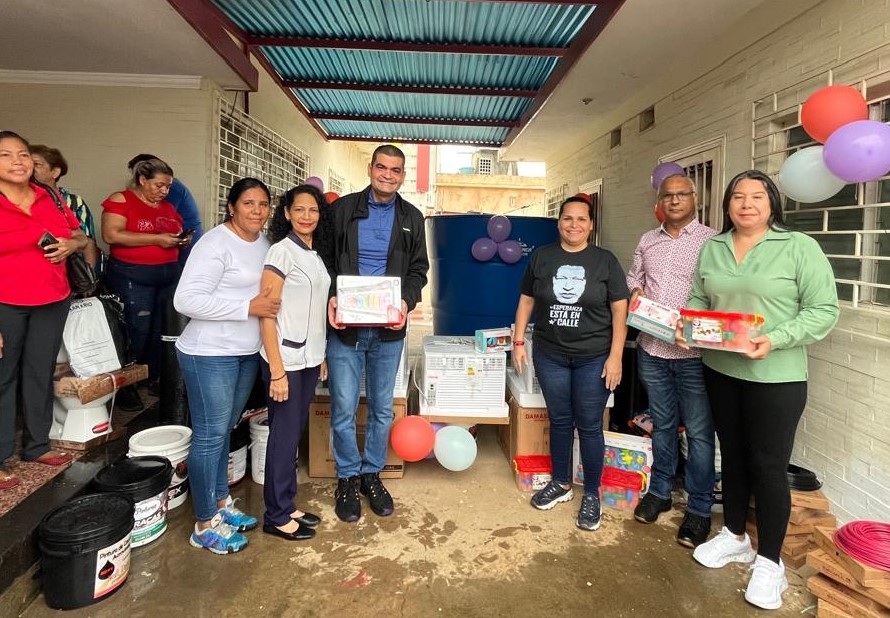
(88, 340)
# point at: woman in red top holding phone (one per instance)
(36, 237)
(144, 233)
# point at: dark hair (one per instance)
(139, 158)
(279, 226)
(13, 135)
(52, 156)
(148, 169)
(245, 184)
(390, 151)
(776, 217)
(580, 200)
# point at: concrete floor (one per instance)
(460, 544)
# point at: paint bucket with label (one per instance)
(239, 440)
(145, 479)
(172, 442)
(85, 549)
(259, 436)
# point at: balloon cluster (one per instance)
(414, 438)
(659, 174)
(855, 149)
(314, 181)
(496, 243)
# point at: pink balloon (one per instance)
(316, 182)
(484, 249)
(499, 228)
(663, 170)
(510, 251)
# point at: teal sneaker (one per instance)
(235, 517)
(219, 538)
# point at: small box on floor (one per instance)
(369, 301)
(321, 450)
(533, 472)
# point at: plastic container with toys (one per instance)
(721, 330)
(369, 301)
(533, 472)
(620, 489)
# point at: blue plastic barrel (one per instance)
(466, 294)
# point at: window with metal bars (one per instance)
(485, 166)
(552, 199)
(852, 226)
(336, 182)
(248, 148)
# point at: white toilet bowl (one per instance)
(79, 422)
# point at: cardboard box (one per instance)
(827, 610)
(868, 576)
(321, 445)
(831, 568)
(845, 599)
(528, 432)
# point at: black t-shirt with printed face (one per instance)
(573, 293)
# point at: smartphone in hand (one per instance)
(46, 240)
(185, 233)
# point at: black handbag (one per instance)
(81, 277)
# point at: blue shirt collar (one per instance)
(293, 236)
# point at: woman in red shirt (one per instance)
(34, 300)
(144, 233)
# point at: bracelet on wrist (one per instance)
(281, 377)
(519, 343)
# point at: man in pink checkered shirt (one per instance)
(662, 270)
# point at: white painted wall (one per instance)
(845, 434)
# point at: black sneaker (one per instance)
(348, 508)
(694, 530)
(589, 513)
(650, 507)
(552, 494)
(378, 497)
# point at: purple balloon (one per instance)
(510, 251)
(663, 170)
(499, 228)
(316, 182)
(484, 249)
(859, 151)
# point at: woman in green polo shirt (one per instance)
(758, 266)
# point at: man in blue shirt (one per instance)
(375, 232)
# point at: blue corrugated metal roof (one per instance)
(361, 68)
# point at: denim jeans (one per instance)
(677, 395)
(576, 395)
(218, 388)
(380, 359)
(144, 290)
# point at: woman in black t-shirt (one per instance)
(578, 295)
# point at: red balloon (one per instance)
(331, 197)
(412, 438)
(830, 108)
(659, 213)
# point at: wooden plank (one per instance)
(869, 577)
(798, 550)
(846, 599)
(810, 500)
(824, 609)
(800, 514)
(70, 445)
(90, 389)
(833, 569)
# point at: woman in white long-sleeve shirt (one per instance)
(218, 354)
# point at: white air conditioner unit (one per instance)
(459, 381)
(530, 380)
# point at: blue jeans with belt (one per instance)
(677, 395)
(576, 396)
(218, 388)
(380, 360)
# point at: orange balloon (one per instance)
(659, 213)
(331, 197)
(830, 108)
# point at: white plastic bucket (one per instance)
(259, 435)
(172, 442)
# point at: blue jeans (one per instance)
(576, 395)
(677, 396)
(218, 388)
(144, 290)
(380, 359)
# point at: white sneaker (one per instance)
(723, 549)
(767, 584)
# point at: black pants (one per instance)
(756, 423)
(32, 337)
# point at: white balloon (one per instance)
(805, 178)
(455, 448)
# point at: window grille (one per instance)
(248, 148)
(336, 182)
(485, 166)
(552, 200)
(851, 227)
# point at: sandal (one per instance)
(8, 481)
(54, 458)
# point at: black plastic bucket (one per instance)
(145, 480)
(85, 549)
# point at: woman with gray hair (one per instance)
(144, 233)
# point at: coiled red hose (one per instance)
(866, 541)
